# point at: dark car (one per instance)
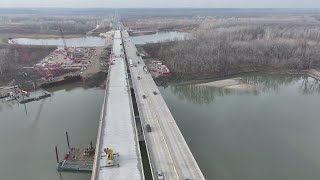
(160, 175)
(148, 127)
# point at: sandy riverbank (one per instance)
(231, 84)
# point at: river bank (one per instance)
(180, 79)
(154, 52)
(161, 30)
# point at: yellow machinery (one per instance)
(110, 157)
(109, 153)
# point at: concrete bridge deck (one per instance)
(166, 147)
(117, 128)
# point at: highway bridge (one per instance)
(166, 148)
(117, 128)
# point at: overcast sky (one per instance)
(163, 3)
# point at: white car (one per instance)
(160, 175)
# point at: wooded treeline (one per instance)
(51, 25)
(161, 23)
(230, 45)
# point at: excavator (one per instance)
(111, 157)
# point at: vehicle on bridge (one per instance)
(130, 63)
(160, 175)
(145, 68)
(148, 127)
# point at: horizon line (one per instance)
(160, 8)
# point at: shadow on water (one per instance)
(37, 116)
(263, 83)
(67, 87)
(196, 94)
(309, 86)
(269, 83)
(60, 176)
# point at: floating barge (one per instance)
(77, 159)
(5, 91)
(32, 96)
(4, 95)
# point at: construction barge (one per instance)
(32, 96)
(77, 159)
(5, 91)
(4, 95)
(26, 96)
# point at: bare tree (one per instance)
(228, 45)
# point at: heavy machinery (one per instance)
(65, 47)
(25, 93)
(145, 68)
(43, 73)
(89, 151)
(111, 158)
(64, 41)
(69, 54)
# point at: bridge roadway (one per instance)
(117, 129)
(166, 147)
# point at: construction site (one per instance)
(59, 66)
(157, 68)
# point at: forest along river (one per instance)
(271, 133)
(160, 37)
(99, 41)
(28, 134)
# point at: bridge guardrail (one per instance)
(95, 167)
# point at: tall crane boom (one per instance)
(64, 41)
(46, 74)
